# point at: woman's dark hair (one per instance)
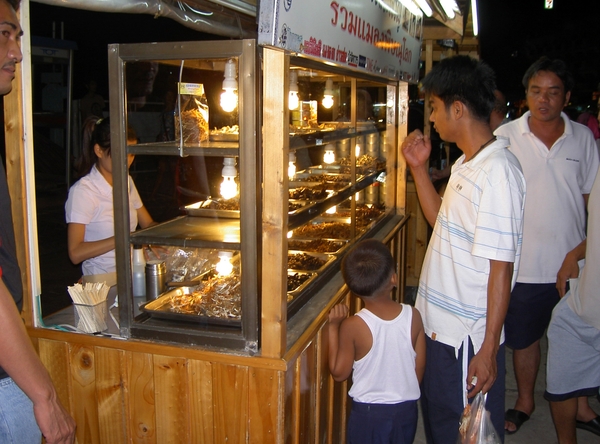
(464, 79)
(367, 267)
(555, 66)
(95, 131)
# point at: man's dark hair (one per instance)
(14, 3)
(555, 66)
(500, 104)
(464, 79)
(367, 267)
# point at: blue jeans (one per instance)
(17, 422)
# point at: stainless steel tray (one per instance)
(305, 245)
(326, 258)
(224, 137)
(296, 291)
(201, 209)
(160, 308)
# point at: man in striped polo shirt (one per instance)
(473, 255)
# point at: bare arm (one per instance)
(341, 346)
(570, 267)
(79, 250)
(416, 149)
(19, 359)
(418, 340)
(483, 365)
(144, 218)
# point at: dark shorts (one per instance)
(442, 397)
(382, 423)
(529, 313)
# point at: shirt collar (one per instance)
(103, 186)
(523, 123)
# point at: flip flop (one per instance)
(517, 417)
(591, 426)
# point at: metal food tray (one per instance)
(199, 209)
(328, 258)
(160, 308)
(314, 172)
(306, 205)
(340, 243)
(292, 294)
(224, 137)
(310, 185)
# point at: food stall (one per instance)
(310, 157)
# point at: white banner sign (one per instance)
(380, 37)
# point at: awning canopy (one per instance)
(228, 18)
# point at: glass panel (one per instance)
(336, 159)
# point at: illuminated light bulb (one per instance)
(332, 210)
(357, 150)
(224, 267)
(329, 156)
(293, 101)
(328, 94)
(229, 187)
(229, 97)
(290, 234)
(292, 166)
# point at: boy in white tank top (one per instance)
(384, 344)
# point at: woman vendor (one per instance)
(89, 207)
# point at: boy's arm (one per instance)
(483, 365)
(341, 344)
(418, 341)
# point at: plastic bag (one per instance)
(476, 425)
(191, 114)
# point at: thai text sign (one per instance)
(380, 37)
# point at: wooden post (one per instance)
(275, 195)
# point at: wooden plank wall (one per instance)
(123, 396)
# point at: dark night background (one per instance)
(514, 33)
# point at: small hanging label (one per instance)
(195, 89)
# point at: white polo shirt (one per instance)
(585, 301)
(480, 219)
(555, 214)
(90, 203)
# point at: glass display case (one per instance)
(200, 160)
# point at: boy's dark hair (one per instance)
(555, 66)
(367, 267)
(464, 79)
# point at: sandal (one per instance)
(591, 426)
(517, 417)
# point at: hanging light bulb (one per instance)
(293, 101)
(290, 234)
(357, 150)
(329, 156)
(328, 94)
(229, 97)
(224, 267)
(229, 187)
(292, 166)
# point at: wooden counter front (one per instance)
(132, 391)
(127, 391)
